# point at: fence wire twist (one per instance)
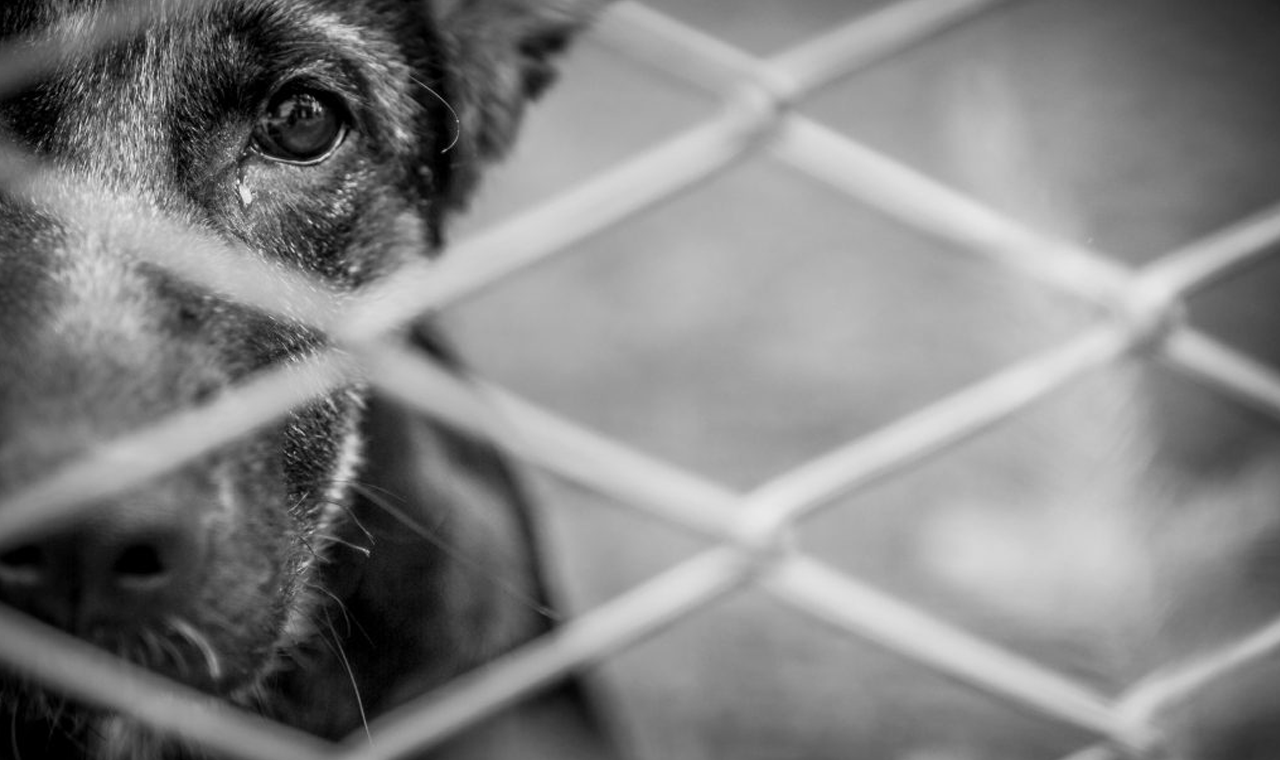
(1142, 308)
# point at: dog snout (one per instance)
(124, 564)
(108, 353)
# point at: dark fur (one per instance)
(298, 573)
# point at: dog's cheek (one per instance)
(298, 214)
(314, 447)
(334, 222)
(252, 546)
(321, 453)
(265, 541)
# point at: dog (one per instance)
(330, 566)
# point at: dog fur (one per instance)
(332, 565)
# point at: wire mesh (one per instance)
(1142, 312)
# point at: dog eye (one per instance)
(301, 127)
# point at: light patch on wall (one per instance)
(1059, 566)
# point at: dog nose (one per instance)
(122, 565)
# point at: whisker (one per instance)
(155, 647)
(13, 734)
(335, 646)
(353, 624)
(59, 711)
(346, 508)
(434, 539)
(457, 120)
(298, 503)
(330, 538)
(175, 653)
(358, 486)
(201, 644)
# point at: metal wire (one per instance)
(850, 606)
(749, 531)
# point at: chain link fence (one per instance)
(749, 531)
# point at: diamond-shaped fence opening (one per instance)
(758, 114)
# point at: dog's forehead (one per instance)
(24, 16)
(291, 30)
(208, 59)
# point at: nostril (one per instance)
(139, 564)
(24, 565)
(24, 556)
(123, 566)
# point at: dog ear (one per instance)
(500, 54)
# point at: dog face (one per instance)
(322, 137)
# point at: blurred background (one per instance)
(763, 319)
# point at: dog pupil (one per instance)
(301, 126)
